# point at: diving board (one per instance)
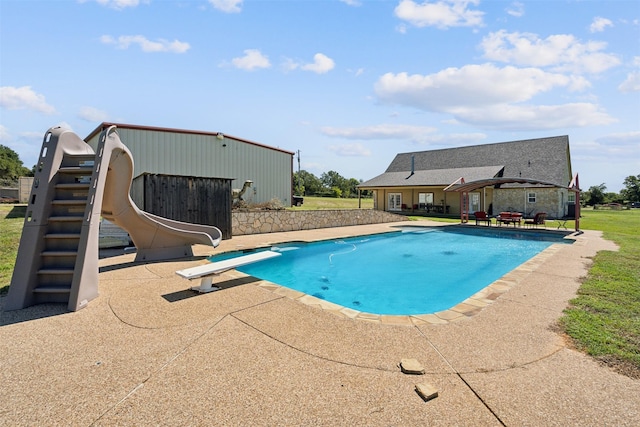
(207, 272)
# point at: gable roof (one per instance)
(545, 159)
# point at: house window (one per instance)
(531, 197)
(474, 202)
(395, 201)
(425, 200)
(571, 197)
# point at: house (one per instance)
(527, 176)
(200, 154)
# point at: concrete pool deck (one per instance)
(148, 351)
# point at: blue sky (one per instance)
(348, 83)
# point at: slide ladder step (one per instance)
(66, 218)
(52, 290)
(55, 271)
(76, 170)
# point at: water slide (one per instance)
(74, 187)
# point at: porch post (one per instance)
(464, 208)
(577, 209)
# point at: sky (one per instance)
(347, 84)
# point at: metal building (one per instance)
(209, 155)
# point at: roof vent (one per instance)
(413, 166)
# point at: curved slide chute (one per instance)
(154, 237)
(74, 187)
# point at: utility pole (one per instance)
(298, 161)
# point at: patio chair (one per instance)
(538, 219)
(482, 217)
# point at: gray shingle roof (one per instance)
(437, 177)
(545, 159)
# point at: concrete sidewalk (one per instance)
(148, 351)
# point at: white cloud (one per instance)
(162, 45)
(350, 150)
(516, 9)
(477, 85)
(252, 60)
(441, 14)
(491, 97)
(599, 24)
(383, 131)
(632, 82)
(624, 138)
(352, 2)
(416, 134)
(321, 64)
(228, 6)
(4, 134)
(561, 52)
(614, 147)
(24, 98)
(92, 114)
(535, 117)
(455, 139)
(117, 4)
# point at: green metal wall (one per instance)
(171, 152)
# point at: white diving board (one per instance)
(207, 272)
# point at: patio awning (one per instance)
(490, 182)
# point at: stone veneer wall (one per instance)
(547, 200)
(255, 222)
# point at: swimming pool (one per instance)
(417, 270)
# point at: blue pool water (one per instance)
(417, 271)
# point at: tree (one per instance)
(631, 192)
(306, 183)
(596, 194)
(351, 187)
(332, 179)
(11, 167)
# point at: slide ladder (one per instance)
(73, 188)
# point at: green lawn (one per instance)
(11, 220)
(315, 203)
(603, 320)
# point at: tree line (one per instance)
(329, 184)
(11, 167)
(598, 195)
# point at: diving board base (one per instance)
(207, 272)
(206, 286)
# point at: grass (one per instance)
(11, 220)
(603, 320)
(320, 203)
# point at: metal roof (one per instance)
(105, 125)
(475, 185)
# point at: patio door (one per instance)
(394, 201)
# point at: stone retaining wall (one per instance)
(255, 222)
